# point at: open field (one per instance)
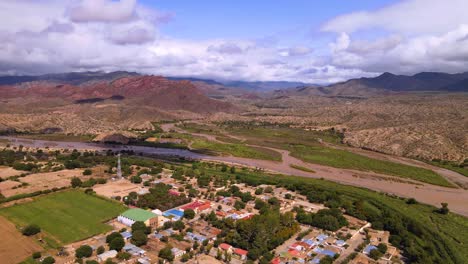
(44, 181)
(236, 149)
(6, 172)
(297, 167)
(58, 137)
(7, 185)
(306, 146)
(14, 247)
(116, 188)
(347, 160)
(67, 216)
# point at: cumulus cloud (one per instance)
(65, 35)
(103, 11)
(227, 48)
(409, 16)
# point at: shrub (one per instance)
(36, 255)
(87, 172)
(124, 255)
(117, 243)
(31, 230)
(139, 238)
(84, 251)
(48, 260)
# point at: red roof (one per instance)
(224, 246)
(240, 252)
(276, 261)
(197, 205)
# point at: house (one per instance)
(340, 243)
(241, 253)
(195, 237)
(177, 252)
(378, 236)
(127, 235)
(134, 250)
(198, 206)
(174, 192)
(226, 247)
(133, 215)
(368, 249)
(106, 255)
(174, 214)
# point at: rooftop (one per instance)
(137, 214)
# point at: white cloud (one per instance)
(409, 16)
(103, 11)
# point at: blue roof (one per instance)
(368, 249)
(340, 242)
(328, 253)
(322, 237)
(158, 236)
(174, 212)
(316, 260)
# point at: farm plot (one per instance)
(14, 247)
(43, 181)
(6, 172)
(67, 216)
(116, 188)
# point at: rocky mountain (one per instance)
(388, 83)
(101, 106)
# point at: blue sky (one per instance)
(295, 40)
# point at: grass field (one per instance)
(348, 160)
(58, 137)
(236, 149)
(67, 216)
(304, 145)
(463, 169)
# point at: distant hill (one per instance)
(265, 86)
(388, 83)
(75, 78)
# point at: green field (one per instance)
(67, 216)
(297, 167)
(305, 146)
(347, 160)
(235, 149)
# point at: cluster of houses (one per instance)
(312, 249)
(241, 253)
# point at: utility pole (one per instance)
(119, 167)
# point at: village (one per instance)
(183, 234)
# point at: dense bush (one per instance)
(31, 230)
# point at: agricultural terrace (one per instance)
(66, 216)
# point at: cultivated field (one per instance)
(67, 216)
(6, 172)
(14, 247)
(116, 188)
(44, 181)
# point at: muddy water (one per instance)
(426, 193)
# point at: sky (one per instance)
(252, 40)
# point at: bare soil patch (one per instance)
(116, 188)
(14, 247)
(44, 181)
(6, 172)
(8, 185)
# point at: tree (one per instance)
(189, 214)
(136, 179)
(238, 205)
(87, 172)
(84, 251)
(139, 225)
(259, 191)
(31, 230)
(179, 225)
(375, 254)
(326, 260)
(48, 260)
(117, 243)
(166, 253)
(382, 248)
(139, 238)
(76, 182)
(111, 237)
(124, 255)
(444, 209)
(100, 250)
